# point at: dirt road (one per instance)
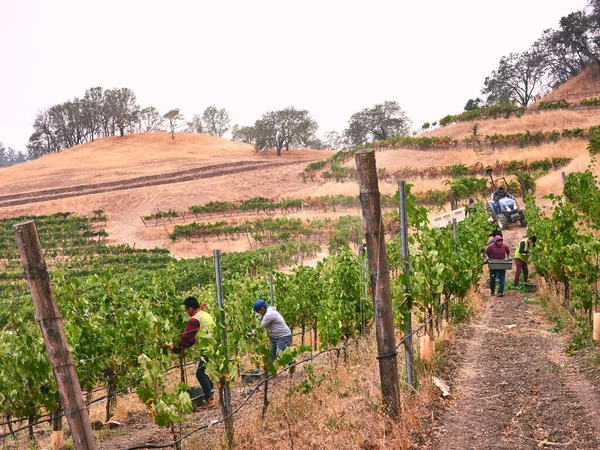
(515, 388)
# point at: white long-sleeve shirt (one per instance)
(273, 321)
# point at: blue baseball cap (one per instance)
(259, 304)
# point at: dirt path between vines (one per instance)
(515, 388)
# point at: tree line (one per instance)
(9, 156)
(556, 56)
(116, 112)
(291, 127)
(112, 112)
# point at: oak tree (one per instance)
(173, 118)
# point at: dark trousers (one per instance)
(500, 276)
(521, 265)
(205, 383)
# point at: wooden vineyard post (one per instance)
(182, 367)
(271, 294)
(380, 280)
(58, 439)
(225, 392)
(452, 201)
(408, 343)
(564, 178)
(455, 234)
(38, 282)
(522, 182)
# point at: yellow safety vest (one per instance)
(521, 256)
(207, 323)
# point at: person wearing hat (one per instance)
(522, 258)
(493, 235)
(500, 194)
(497, 250)
(470, 207)
(200, 325)
(280, 333)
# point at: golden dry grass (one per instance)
(396, 159)
(554, 307)
(584, 85)
(111, 159)
(552, 183)
(344, 410)
(542, 121)
(116, 158)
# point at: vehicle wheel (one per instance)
(522, 220)
(503, 221)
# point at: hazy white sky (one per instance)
(249, 56)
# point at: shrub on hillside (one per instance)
(556, 104)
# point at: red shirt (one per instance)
(188, 338)
(493, 251)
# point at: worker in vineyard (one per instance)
(200, 325)
(497, 250)
(279, 332)
(522, 258)
(500, 193)
(470, 207)
(493, 234)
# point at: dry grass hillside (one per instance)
(393, 160)
(117, 161)
(542, 121)
(135, 175)
(584, 85)
(117, 158)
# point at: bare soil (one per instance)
(515, 388)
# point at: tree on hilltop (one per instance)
(10, 156)
(69, 122)
(334, 140)
(243, 134)
(93, 110)
(284, 128)
(216, 121)
(99, 113)
(569, 49)
(517, 77)
(473, 104)
(122, 110)
(380, 122)
(594, 29)
(173, 117)
(196, 125)
(150, 119)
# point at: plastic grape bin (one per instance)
(499, 264)
(197, 395)
(253, 376)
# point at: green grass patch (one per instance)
(461, 311)
(582, 337)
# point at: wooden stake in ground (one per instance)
(225, 393)
(380, 280)
(408, 343)
(38, 282)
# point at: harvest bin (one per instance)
(499, 264)
(253, 376)
(197, 395)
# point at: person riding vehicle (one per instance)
(499, 195)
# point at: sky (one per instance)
(330, 57)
